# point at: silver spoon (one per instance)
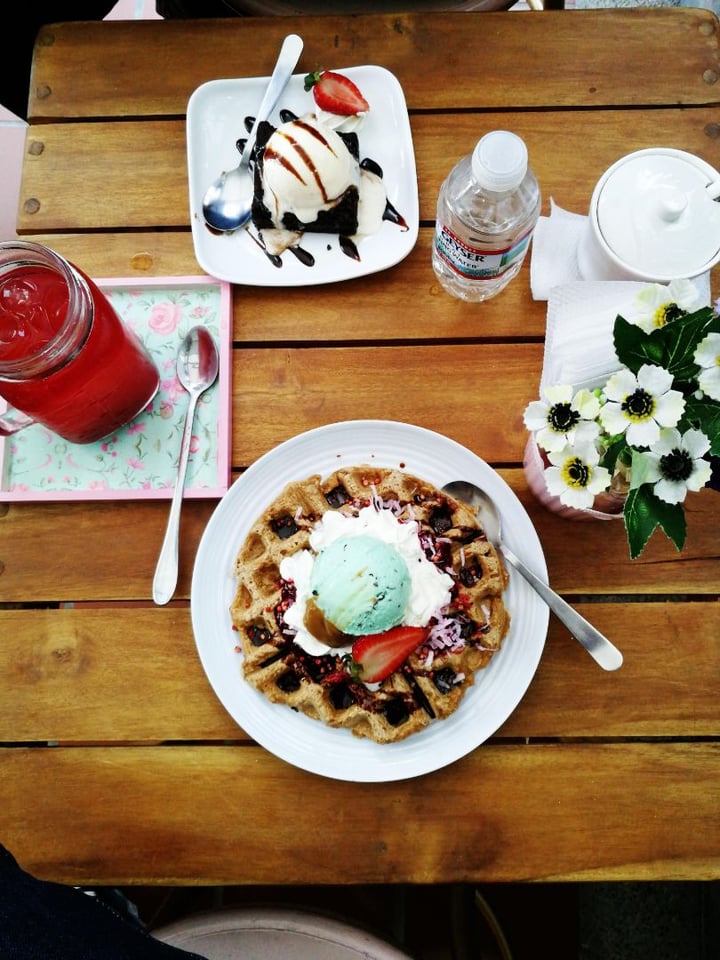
(197, 369)
(597, 645)
(227, 204)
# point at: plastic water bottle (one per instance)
(486, 213)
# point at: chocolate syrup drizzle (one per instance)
(347, 244)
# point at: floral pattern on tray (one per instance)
(141, 459)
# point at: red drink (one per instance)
(66, 358)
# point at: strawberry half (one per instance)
(335, 93)
(377, 655)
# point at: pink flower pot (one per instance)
(606, 506)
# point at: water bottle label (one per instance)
(474, 264)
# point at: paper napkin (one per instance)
(581, 313)
(554, 250)
(579, 334)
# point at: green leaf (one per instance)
(671, 518)
(617, 450)
(671, 346)
(644, 512)
(681, 338)
(704, 414)
(633, 346)
(639, 470)
(639, 522)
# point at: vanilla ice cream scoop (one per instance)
(307, 168)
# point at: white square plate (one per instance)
(216, 121)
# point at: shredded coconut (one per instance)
(445, 635)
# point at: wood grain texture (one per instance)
(123, 254)
(130, 674)
(177, 814)
(304, 388)
(588, 558)
(102, 556)
(370, 309)
(123, 194)
(118, 56)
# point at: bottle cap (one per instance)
(499, 161)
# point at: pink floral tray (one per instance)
(141, 459)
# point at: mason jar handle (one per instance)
(13, 420)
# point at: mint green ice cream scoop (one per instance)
(361, 584)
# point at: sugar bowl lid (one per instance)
(657, 212)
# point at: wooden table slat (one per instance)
(172, 815)
(101, 558)
(123, 194)
(88, 674)
(342, 314)
(117, 56)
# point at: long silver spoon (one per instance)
(227, 203)
(197, 369)
(596, 644)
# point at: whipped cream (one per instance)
(342, 122)
(430, 588)
(372, 203)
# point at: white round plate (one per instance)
(308, 743)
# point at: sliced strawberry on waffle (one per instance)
(377, 655)
(335, 93)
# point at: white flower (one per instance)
(640, 406)
(656, 304)
(575, 476)
(676, 464)
(707, 356)
(564, 419)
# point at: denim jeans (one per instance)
(40, 920)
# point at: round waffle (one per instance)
(431, 683)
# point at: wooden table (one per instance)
(119, 764)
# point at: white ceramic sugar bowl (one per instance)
(654, 216)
